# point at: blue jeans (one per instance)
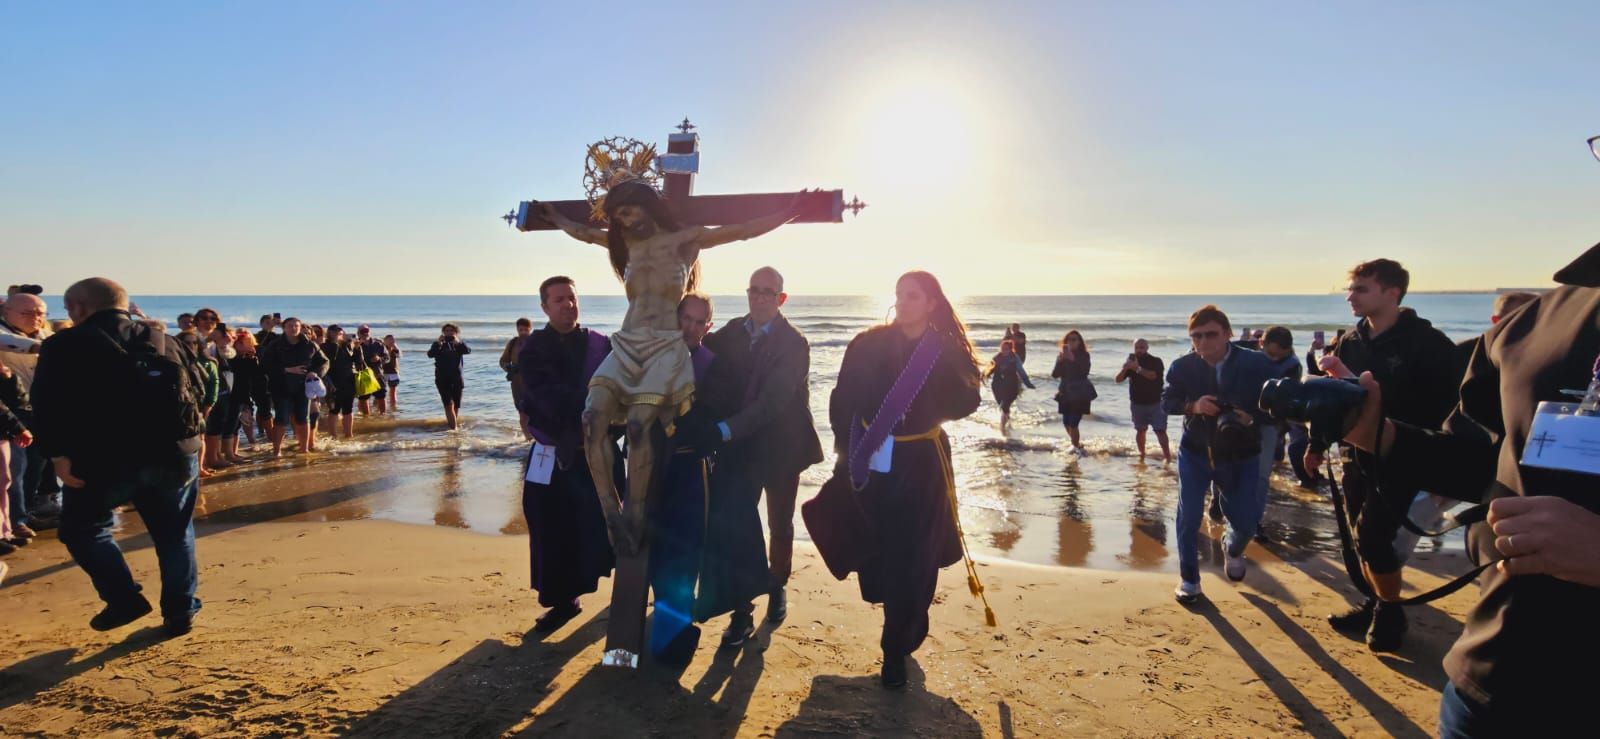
(1239, 484)
(1269, 442)
(164, 495)
(15, 491)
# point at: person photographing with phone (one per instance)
(1143, 372)
(448, 365)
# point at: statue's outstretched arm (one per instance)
(579, 231)
(749, 229)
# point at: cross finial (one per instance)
(686, 126)
(854, 206)
(510, 219)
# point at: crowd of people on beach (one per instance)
(889, 513)
(252, 389)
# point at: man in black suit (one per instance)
(772, 435)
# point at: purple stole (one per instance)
(701, 356)
(895, 404)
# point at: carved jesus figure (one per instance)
(648, 378)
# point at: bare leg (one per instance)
(277, 431)
(363, 405)
(1139, 436)
(450, 416)
(600, 409)
(641, 462)
(394, 397)
(1166, 446)
(307, 433)
(382, 406)
(1072, 431)
(349, 423)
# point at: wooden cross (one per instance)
(679, 165)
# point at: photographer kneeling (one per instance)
(1530, 641)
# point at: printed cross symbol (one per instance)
(543, 453)
(1544, 438)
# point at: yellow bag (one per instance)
(367, 382)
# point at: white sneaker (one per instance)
(1187, 592)
(1235, 568)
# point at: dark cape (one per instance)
(897, 532)
(569, 549)
(723, 490)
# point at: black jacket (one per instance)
(77, 392)
(14, 406)
(1527, 636)
(1413, 362)
(775, 415)
(282, 354)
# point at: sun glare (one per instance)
(919, 133)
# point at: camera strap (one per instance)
(1352, 558)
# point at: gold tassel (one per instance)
(988, 615)
(972, 584)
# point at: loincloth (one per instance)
(648, 367)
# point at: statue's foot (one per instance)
(620, 658)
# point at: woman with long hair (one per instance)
(889, 511)
(1007, 378)
(1077, 392)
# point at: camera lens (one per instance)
(1328, 405)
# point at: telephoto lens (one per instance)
(1329, 405)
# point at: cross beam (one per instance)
(679, 166)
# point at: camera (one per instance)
(1234, 439)
(1329, 405)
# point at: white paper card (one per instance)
(540, 464)
(1560, 440)
(881, 459)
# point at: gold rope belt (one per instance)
(935, 434)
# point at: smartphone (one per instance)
(1321, 336)
(277, 316)
(1133, 357)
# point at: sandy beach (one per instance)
(318, 621)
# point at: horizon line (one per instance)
(1490, 291)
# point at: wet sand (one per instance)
(318, 620)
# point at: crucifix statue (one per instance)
(654, 240)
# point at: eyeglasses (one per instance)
(1201, 335)
(761, 292)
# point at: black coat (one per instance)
(79, 388)
(1527, 634)
(775, 415)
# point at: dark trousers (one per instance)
(1375, 518)
(164, 495)
(781, 491)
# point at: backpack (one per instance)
(162, 404)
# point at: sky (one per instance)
(1009, 147)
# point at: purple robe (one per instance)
(569, 550)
